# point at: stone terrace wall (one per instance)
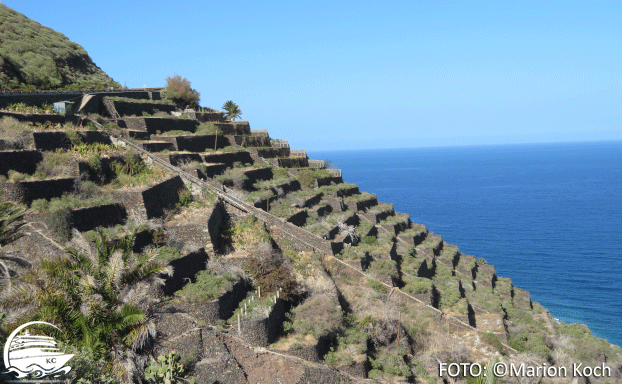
(161, 196)
(126, 108)
(28, 191)
(20, 161)
(235, 128)
(199, 143)
(211, 311)
(86, 219)
(40, 98)
(252, 141)
(228, 158)
(205, 117)
(42, 119)
(184, 269)
(262, 332)
(51, 140)
(154, 124)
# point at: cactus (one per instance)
(166, 370)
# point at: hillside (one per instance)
(266, 266)
(36, 57)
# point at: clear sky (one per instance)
(371, 74)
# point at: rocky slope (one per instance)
(36, 57)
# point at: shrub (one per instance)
(15, 176)
(416, 285)
(376, 286)
(59, 223)
(319, 316)
(185, 197)
(180, 91)
(168, 254)
(493, 340)
(383, 267)
(14, 133)
(530, 342)
(207, 286)
(391, 364)
(87, 369)
(53, 164)
(73, 138)
(268, 271)
(369, 240)
(279, 173)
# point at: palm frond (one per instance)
(11, 222)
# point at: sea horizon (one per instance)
(319, 149)
(546, 215)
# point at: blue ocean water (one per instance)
(548, 216)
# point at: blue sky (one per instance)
(349, 75)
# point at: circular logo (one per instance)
(34, 354)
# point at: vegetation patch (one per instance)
(207, 286)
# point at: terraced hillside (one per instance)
(273, 269)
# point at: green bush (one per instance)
(416, 285)
(180, 91)
(530, 342)
(87, 369)
(383, 267)
(391, 364)
(493, 340)
(369, 240)
(207, 286)
(58, 222)
(167, 254)
(185, 197)
(279, 173)
(376, 286)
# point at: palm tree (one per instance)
(232, 111)
(91, 296)
(11, 222)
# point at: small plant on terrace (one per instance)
(232, 110)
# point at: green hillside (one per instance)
(36, 57)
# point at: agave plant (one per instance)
(232, 111)
(91, 297)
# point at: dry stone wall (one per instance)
(264, 331)
(161, 196)
(26, 192)
(86, 219)
(20, 161)
(126, 108)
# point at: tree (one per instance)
(93, 298)
(232, 111)
(11, 222)
(180, 91)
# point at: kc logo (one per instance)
(34, 356)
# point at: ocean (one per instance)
(548, 216)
